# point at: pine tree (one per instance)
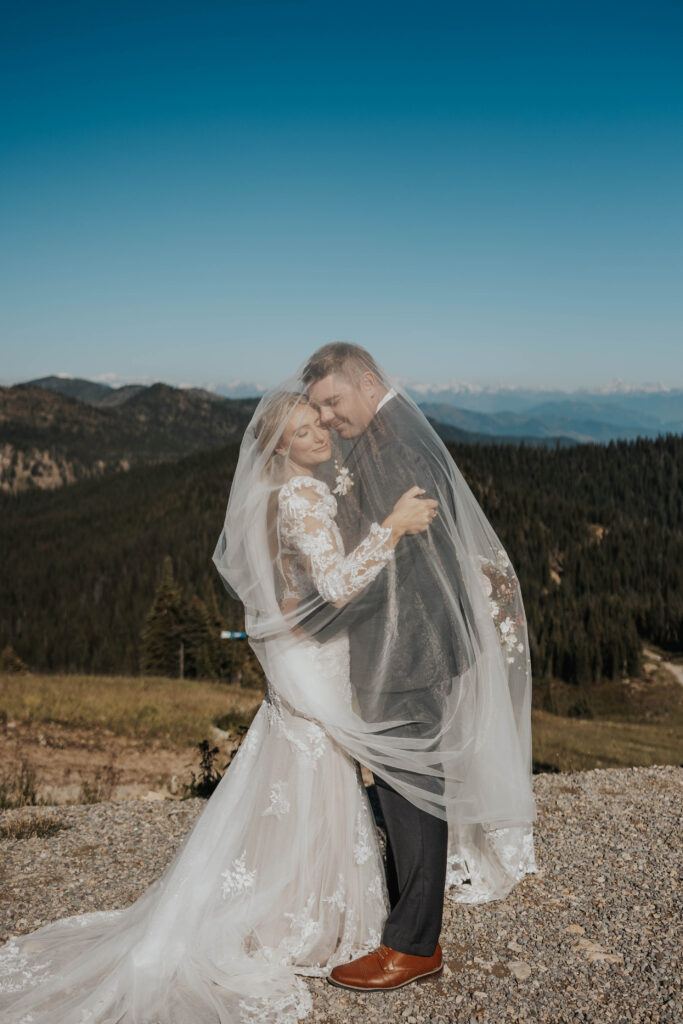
(216, 625)
(10, 660)
(162, 633)
(197, 635)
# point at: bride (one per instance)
(281, 874)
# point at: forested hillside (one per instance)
(49, 439)
(595, 534)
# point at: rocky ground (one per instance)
(594, 936)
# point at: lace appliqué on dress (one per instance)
(376, 890)
(338, 897)
(310, 740)
(308, 528)
(238, 880)
(279, 804)
(250, 742)
(304, 928)
(362, 848)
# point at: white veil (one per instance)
(416, 664)
(439, 653)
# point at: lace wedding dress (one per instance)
(280, 876)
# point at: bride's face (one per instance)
(305, 440)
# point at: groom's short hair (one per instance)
(341, 357)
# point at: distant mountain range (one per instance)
(55, 430)
(622, 412)
(613, 411)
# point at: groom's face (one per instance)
(345, 405)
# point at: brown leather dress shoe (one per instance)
(385, 968)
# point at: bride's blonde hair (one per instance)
(272, 422)
(268, 430)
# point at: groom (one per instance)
(348, 388)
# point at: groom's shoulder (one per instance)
(401, 425)
(407, 437)
(402, 412)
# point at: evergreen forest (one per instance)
(114, 575)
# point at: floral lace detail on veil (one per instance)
(485, 857)
(288, 1010)
(17, 970)
(501, 588)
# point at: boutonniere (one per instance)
(343, 479)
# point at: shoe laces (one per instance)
(382, 953)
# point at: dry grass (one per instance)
(31, 826)
(177, 712)
(19, 788)
(575, 744)
(639, 722)
(100, 786)
(653, 696)
(613, 723)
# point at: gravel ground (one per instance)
(594, 936)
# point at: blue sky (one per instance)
(205, 192)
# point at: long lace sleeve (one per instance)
(307, 523)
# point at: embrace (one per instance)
(390, 626)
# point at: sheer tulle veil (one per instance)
(418, 670)
(440, 664)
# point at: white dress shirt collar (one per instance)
(390, 394)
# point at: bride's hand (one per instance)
(411, 514)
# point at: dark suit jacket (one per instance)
(404, 634)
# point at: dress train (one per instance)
(280, 876)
